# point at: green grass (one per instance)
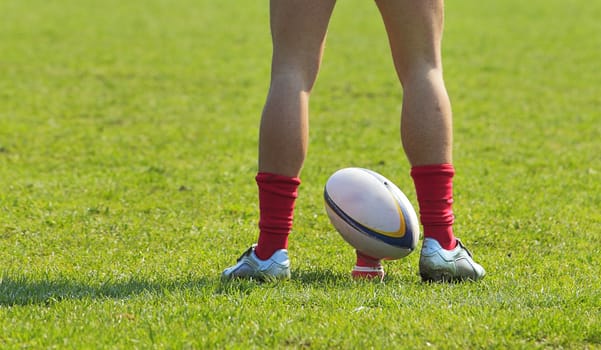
(128, 150)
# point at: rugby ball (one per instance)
(371, 213)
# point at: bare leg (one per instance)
(298, 32)
(414, 30)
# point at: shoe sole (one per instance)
(256, 277)
(443, 276)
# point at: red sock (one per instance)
(434, 188)
(277, 195)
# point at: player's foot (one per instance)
(441, 265)
(368, 272)
(249, 266)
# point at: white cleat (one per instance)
(249, 266)
(440, 265)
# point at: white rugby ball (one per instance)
(371, 213)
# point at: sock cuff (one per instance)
(278, 184)
(433, 183)
(270, 177)
(433, 169)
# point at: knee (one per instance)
(299, 71)
(419, 73)
(418, 63)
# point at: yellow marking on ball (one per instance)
(396, 234)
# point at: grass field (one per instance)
(128, 150)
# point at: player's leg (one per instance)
(298, 32)
(414, 29)
(298, 29)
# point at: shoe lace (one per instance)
(246, 253)
(464, 248)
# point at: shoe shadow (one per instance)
(315, 277)
(21, 290)
(320, 276)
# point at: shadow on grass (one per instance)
(22, 290)
(320, 276)
(314, 277)
(25, 291)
